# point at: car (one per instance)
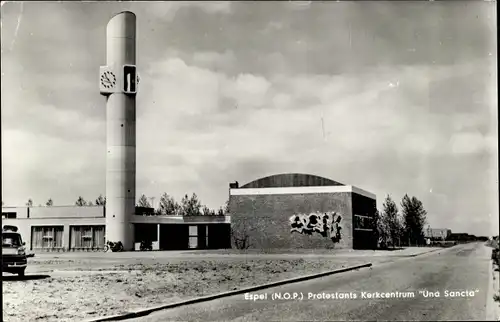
(14, 258)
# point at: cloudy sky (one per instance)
(393, 98)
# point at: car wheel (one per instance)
(20, 272)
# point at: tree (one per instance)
(80, 202)
(414, 219)
(143, 202)
(380, 231)
(89, 203)
(49, 202)
(421, 220)
(177, 209)
(241, 240)
(168, 206)
(100, 201)
(241, 232)
(401, 229)
(184, 205)
(226, 207)
(408, 218)
(220, 212)
(206, 211)
(191, 206)
(29, 203)
(390, 222)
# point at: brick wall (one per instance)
(265, 219)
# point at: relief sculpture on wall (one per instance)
(326, 224)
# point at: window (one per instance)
(193, 230)
(87, 237)
(11, 240)
(9, 215)
(47, 237)
(193, 236)
(129, 82)
(362, 222)
(206, 236)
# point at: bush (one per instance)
(495, 256)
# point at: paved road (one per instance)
(464, 267)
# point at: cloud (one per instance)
(55, 163)
(214, 60)
(168, 9)
(471, 142)
(249, 91)
(224, 97)
(344, 113)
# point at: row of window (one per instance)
(9, 215)
(88, 237)
(81, 237)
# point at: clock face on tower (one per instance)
(108, 79)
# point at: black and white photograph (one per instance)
(249, 161)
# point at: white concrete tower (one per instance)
(118, 82)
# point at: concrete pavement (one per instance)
(462, 270)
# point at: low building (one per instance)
(461, 237)
(71, 228)
(301, 211)
(437, 233)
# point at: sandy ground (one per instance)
(408, 251)
(78, 286)
(74, 290)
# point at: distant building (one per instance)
(437, 233)
(301, 211)
(461, 237)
